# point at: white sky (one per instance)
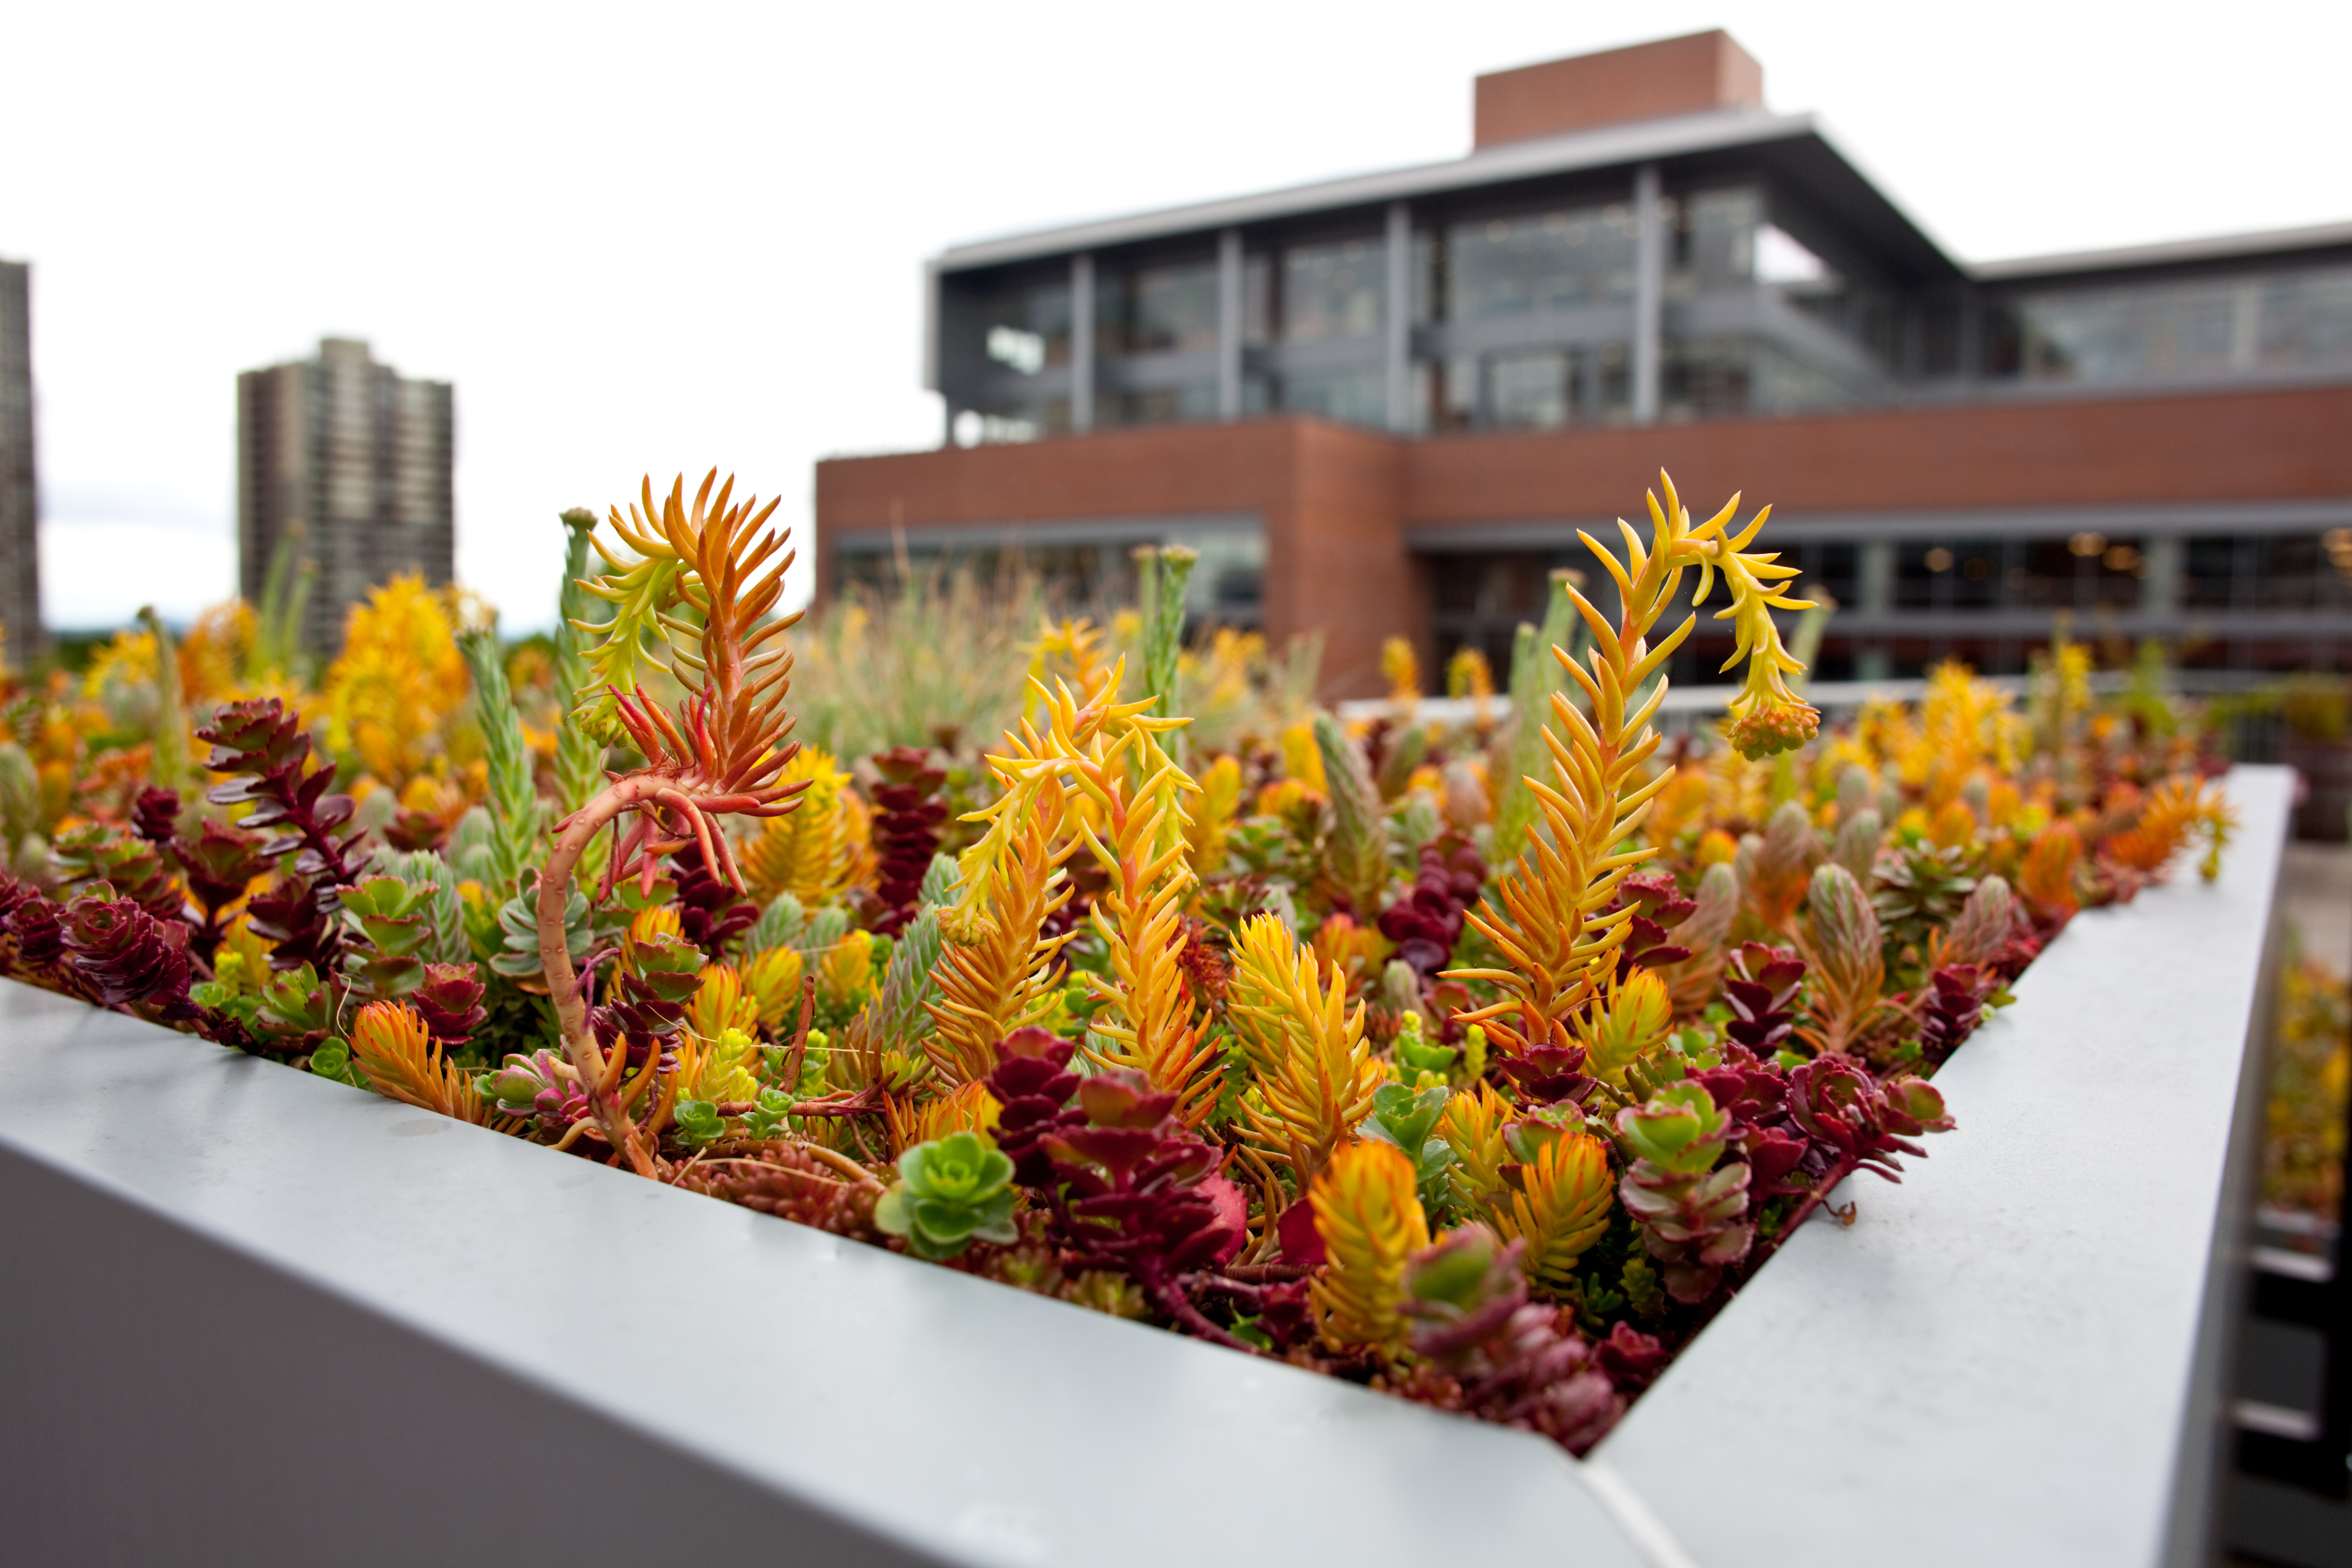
(649, 238)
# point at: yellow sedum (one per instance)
(1371, 1222)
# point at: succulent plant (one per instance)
(950, 1194)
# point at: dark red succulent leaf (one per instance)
(1118, 1150)
(1774, 1156)
(1302, 1243)
(1496, 1355)
(906, 831)
(34, 922)
(255, 737)
(1123, 1097)
(1548, 1074)
(1658, 897)
(1031, 1086)
(450, 1002)
(1761, 988)
(1749, 1093)
(411, 830)
(266, 750)
(1955, 1007)
(219, 862)
(1630, 1358)
(288, 914)
(1426, 920)
(156, 814)
(126, 954)
(1138, 1192)
(710, 913)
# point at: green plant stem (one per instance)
(170, 761)
(514, 798)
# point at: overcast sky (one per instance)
(650, 238)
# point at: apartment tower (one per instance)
(352, 461)
(20, 560)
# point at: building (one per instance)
(353, 461)
(20, 556)
(1387, 403)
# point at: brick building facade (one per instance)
(1387, 404)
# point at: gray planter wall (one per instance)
(251, 1317)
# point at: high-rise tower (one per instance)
(20, 562)
(358, 460)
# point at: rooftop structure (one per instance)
(20, 558)
(351, 461)
(1387, 403)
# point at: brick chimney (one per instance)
(1642, 81)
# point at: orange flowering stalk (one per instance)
(722, 752)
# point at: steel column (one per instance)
(1398, 345)
(1082, 342)
(1649, 292)
(1229, 324)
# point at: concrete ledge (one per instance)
(2015, 1357)
(252, 1317)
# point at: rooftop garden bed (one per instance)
(1481, 1067)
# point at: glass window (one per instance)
(1714, 239)
(1228, 582)
(1258, 300)
(1704, 378)
(1548, 260)
(1939, 336)
(1025, 419)
(1167, 308)
(1157, 405)
(2306, 318)
(2184, 328)
(1332, 290)
(1531, 390)
(1025, 326)
(1952, 574)
(1824, 568)
(1781, 382)
(2266, 571)
(1349, 397)
(2081, 571)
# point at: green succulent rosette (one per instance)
(951, 1192)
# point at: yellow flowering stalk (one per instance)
(1221, 799)
(969, 1109)
(399, 677)
(1560, 1208)
(1472, 1126)
(1546, 915)
(721, 1005)
(1467, 675)
(813, 853)
(1311, 1069)
(996, 964)
(1371, 1222)
(1148, 1024)
(1401, 669)
(772, 980)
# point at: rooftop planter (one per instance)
(276, 1320)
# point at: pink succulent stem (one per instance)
(563, 986)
